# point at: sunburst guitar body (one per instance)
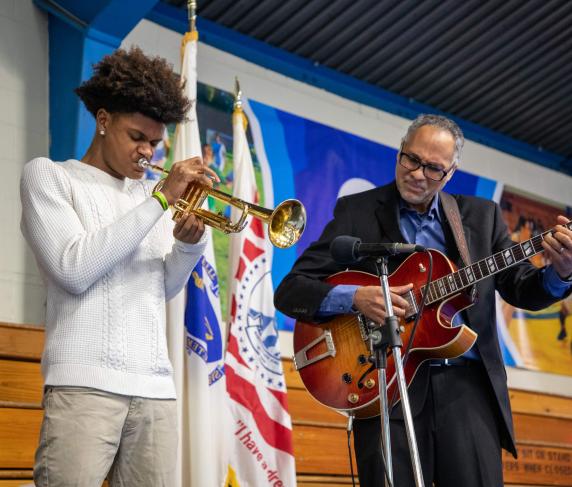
(332, 357)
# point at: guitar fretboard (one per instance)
(467, 276)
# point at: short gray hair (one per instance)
(442, 123)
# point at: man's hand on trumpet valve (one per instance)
(183, 173)
(189, 228)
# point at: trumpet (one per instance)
(286, 222)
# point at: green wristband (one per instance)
(160, 197)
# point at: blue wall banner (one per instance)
(317, 164)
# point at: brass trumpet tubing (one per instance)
(226, 198)
(286, 222)
(191, 202)
(214, 220)
(259, 212)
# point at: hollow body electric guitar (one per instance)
(333, 357)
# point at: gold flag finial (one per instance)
(237, 94)
(238, 104)
(192, 12)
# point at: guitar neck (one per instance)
(467, 276)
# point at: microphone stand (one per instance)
(380, 338)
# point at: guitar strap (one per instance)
(451, 209)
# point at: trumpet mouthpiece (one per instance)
(143, 163)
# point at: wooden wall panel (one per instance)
(19, 433)
(305, 409)
(322, 481)
(543, 424)
(20, 382)
(21, 341)
(291, 376)
(543, 430)
(28, 482)
(540, 404)
(15, 474)
(539, 465)
(321, 450)
(324, 450)
(326, 483)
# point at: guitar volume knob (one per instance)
(353, 398)
(347, 378)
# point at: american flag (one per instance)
(261, 448)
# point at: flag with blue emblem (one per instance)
(261, 429)
(206, 395)
(196, 350)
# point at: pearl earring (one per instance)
(102, 132)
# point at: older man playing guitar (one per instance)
(460, 406)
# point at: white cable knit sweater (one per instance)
(106, 251)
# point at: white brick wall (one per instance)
(23, 135)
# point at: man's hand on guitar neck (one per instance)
(369, 301)
(558, 246)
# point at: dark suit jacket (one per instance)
(373, 216)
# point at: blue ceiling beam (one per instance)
(343, 85)
(80, 34)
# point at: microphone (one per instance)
(346, 249)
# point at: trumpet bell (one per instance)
(287, 223)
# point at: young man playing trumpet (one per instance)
(111, 257)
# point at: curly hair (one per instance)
(129, 82)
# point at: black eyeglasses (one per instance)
(412, 163)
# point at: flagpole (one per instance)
(237, 95)
(195, 335)
(192, 15)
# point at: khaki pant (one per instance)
(87, 433)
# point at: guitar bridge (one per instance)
(301, 359)
(363, 327)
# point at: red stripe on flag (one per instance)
(281, 397)
(240, 270)
(257, 227)
(232, 348)
(251, 251)
(243, 392)
(232, 308)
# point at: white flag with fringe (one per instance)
(197, 351)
